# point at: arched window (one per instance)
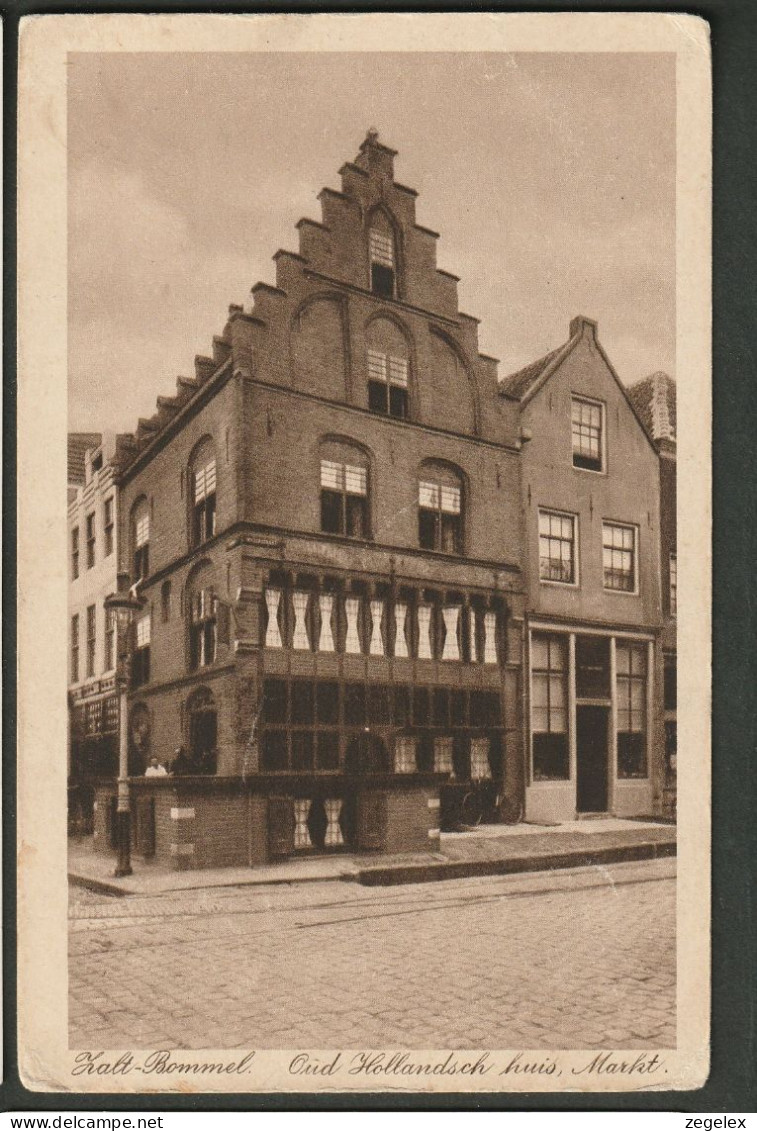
(203, 731)
(202, 497)
(201, 608)
(388, 364)
(440, 508)
(344, 490)
(382, 256)
(140, 539)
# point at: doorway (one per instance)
(592, 725)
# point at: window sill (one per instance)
(621, 592)
(560, 584)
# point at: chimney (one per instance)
(375, 158)
(585, 327)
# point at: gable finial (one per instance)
(372, 135)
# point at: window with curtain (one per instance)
(440, 509)
(344, 491)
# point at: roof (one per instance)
(654, 399)
(520, 383)
(78, 444)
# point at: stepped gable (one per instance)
(654, 399)
(329, 265)
(78, 444)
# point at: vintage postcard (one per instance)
(370, 346)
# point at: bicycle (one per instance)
(508, 809)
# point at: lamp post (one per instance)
(123, 606)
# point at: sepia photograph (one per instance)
(367, 391)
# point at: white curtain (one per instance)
(351, 610)
(425, 650)
(377, 643)
(490, 646)
(326, 640)
(300, 638)
(272, 634)
(400, 639)
(451, 615)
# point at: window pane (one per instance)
(327, 750)
(357, 517)
(440, 701)
(302, 750)
(540, 690)
(539, 652)
(550, 752)
(428, 495)
(401, 706)
(540, 719)
(273, 754)
(379, 704)
(377, 397)
(377, 365)
(421, 706)
(332, 475)
(327, 702)
(355, 480)
(302, 701)
(332, 512)
(427, 526)
(556, 691)
(354, 704)
(398, 405)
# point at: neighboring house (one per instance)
(325, 527)
(655, 401)
(591, 528)
(92, 556)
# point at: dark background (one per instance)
(732, 1086)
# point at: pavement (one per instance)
(485, 851)
(580, 958)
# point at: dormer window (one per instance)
(387, 384)
(381, 253)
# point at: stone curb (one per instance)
(460, 869)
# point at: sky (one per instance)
(551, 179)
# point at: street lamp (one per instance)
(123, 606)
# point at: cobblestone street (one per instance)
(578, 959)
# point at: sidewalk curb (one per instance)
(432, 872)
(461, 869)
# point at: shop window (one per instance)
(381, 254)
(440, 707)
(586, 425)
(91, 540)
(344, 495)
(443, 750)
(440, 509)
(619, 557)
(421, 706)
(557, 547)
(424, 753)
(480, 767)
(593, 667)
(108, 528)
(379, 704)
(141, 657)
(404, 755)
(75, 553)
(549, 718)
(631, 679)
(202, 629)
(459, 704)
(387, 384)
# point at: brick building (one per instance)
(655, 401)
(92, 572)
(591, 530)
(325, 527)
